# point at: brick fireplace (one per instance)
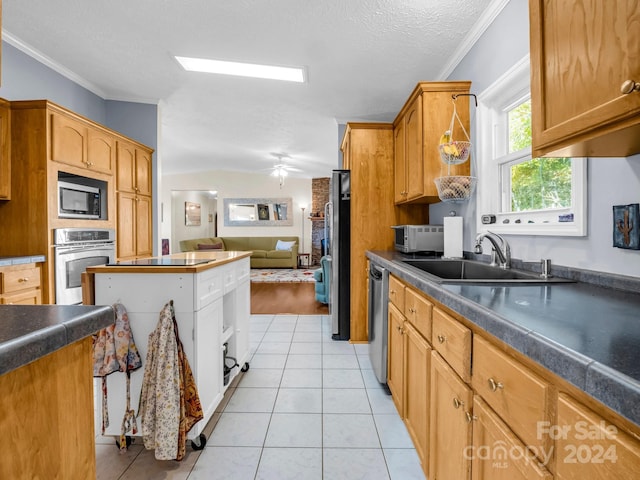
(319, 197)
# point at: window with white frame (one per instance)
(527, 196)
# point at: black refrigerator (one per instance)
(340, 247)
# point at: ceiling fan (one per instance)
(281, 169)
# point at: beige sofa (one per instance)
(264, 250)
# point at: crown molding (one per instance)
(485, 20)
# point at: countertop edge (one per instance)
(63, 325)
(612, 388)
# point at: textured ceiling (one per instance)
(363, 58)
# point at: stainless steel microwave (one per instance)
(419, 238)
(78, 201)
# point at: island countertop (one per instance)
(185, 262)
(29, 332)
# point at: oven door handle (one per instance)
(64, 250)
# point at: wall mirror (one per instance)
(253, 212)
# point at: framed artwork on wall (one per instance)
(191, 214)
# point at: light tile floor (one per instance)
(308, 408)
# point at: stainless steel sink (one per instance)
(470, 271)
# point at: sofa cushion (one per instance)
(258, 253)
(279, 254)
(211, 246)
(283, 245)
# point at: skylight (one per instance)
(289, 74)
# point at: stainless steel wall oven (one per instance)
(75, 250)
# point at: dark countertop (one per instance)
(587, 334)
(29, 332)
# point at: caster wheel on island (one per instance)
(199, 443)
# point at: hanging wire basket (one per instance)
(455, 152)
(455, 188)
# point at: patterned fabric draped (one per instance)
(169, 402)
(114, 350)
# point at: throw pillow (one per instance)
(282, 245)
(211, 246)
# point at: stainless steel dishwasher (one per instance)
(378, 320)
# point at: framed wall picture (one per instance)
(626, 226)
(191, 214)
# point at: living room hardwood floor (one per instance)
(286, 297)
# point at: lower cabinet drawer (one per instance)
(453, 341)
(520, 397)
(26, 297)
(396, 293)
(14, 280)
(418, 311)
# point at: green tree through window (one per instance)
(537, 183)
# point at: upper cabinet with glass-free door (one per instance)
(585, 77)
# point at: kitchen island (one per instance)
(211, 296)
(46, 403)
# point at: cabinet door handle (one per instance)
(457, 403)
(630, 86)
(470, 417)
(23, 279)
(493, 385)
(441, 338)
(412, 310)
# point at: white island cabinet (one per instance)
(212, 307)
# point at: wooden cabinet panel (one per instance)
(418, 311)
(497, 453)
(76, 143)
(101, 151)
(68, 141)
(395, 358)
(413, 133)
(5, 151)
(127, 212)
(143, 227)
(399, 163)
(14, 280)
(450, 423)
(519, 396)
(417, 365)
(21, 284)
(143, 172)
(396, 293)
(589, 447)
(581, 54)
(453, 341)
(133, 183)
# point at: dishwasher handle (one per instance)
(375, 273)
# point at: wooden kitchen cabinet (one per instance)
(409, 361)
(134, 212)
(497, 454)
(453, 341)
(417, 377)
(582, 53)
(450, 423)
(395, 358)
(133, 169)
(518, 395)
(5, 150)
(77, 143)
(418, 127)
(589, 447)
(134, 233)
(20, 284)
